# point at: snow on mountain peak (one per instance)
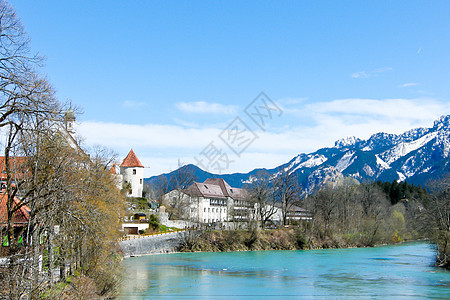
(345, 161)
(346, 142)
(442, 123)
(404, 148)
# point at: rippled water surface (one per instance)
(403, 271)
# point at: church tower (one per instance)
(133, 174)
(69, 119)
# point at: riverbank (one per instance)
(277, 239)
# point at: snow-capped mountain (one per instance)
(416, 156)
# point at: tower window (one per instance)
(134, 171)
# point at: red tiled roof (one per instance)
(17, 165)
(131, 160)
(20, 217)
(113, 169)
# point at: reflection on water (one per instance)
(395, 271)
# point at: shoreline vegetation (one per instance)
(349, 216)
(291, 238)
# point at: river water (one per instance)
(402, 271)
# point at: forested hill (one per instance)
(416, 156)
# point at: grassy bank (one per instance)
(277, 239)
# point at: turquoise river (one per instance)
(403, 271)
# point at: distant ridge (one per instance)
(416, 155)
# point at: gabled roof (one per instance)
(199, 189)
(215, 188)
(227, 190)
(131, 160)
(224, 186)
(20, 217)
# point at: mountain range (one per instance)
(416, 156)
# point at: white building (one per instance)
(216, 202)
(132, 172)
(213, 201)
(294, 214)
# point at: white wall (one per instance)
(136, 180)
(180, 224)
(140, 226)
(189, 204)
(211, 213)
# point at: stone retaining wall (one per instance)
(156, 244)
(163, 218)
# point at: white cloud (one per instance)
(160, 146)
(415, 109)
(290, 101)
(134, 104)
(163, 145)
(149, 135)
(367, 74)
(408, 84)
(360, 74)
(363, 117)
(202, 107)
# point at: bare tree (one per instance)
(260, 192)
(436, 219)
(178, 204)
(286, 191)
(325, 205)
(183, 177)
(28, 109)
(158, 188)
(58, 183)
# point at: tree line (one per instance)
(344, 213)
(348, 213)
(72, 202)
(375, 213)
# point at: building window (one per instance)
(140, 181)
(134, 171)
(209, 209)
(204, 209)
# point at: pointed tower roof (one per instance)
(113, 169)
(131, 160)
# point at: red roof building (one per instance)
(20, 217)
(131, 161)
(17, 164)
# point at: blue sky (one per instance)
(166, 77)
